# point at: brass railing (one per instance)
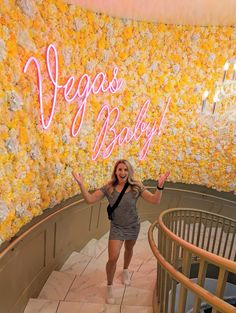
(193, 246)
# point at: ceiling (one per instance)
(183, 12)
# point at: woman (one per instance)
(125, 223)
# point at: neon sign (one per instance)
(85, 86)
(80, 91)
(126, 135)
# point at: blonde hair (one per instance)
(135, 185)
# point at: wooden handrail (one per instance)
(211, 257)
(217, 303)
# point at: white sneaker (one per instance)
(126, 277)
(110, 297)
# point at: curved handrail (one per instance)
(213, 258)
(216, 302)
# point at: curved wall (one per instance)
(80, 113)
(28, 260)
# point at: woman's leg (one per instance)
(129, 244)
(114, 247)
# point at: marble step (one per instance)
(81, 282)
(50, 306)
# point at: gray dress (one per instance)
(125, 223)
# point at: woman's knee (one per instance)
(129, 245)
(112, 260)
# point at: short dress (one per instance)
(125, 223)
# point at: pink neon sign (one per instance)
(79, 91)
(84, 88)
(126, 135)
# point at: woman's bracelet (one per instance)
(159, 188)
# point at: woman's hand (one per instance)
(162, 178)
(78, 178)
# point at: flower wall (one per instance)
(110, 88)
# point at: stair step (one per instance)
(57, 286)
(95, 247)
(76, 263)
(83, 307)
(41, 306)
(80, 285)
(50, 306)
(135, 309)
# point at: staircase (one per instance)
(80, 285)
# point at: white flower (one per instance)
(205, 178)
(24, 40)
(180, 157)
(197, 88)
(228, 168)
(192, 124)
(233, 186)
(106, 55)
(21, 174)
(180, 102)
(14, 132)
(12, 145)
(112, 41)
(195, 37)
(82, 144)
(3, 53)
(126, 21)
(4, 211)
(20, 210)
(34, 153)
(144, 78)
(14, 100)
(58, 168)
(90, 65)
(188, 151)
(176, 68)
(66, 53)
(110, 30)
(68, 170)
(219, 147)
(211, 57)
(3, 128)
(136, 55)
(86, 130)
(154, 66)
(78, 24)
(2, 172)
(52, 8)
(174, 130)
(27, 7)
(65, 138)
(160, 104)
(53, 202)
(198, 157)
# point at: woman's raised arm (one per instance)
(155, 197)
(88, 197)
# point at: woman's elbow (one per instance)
(89, 201)
(157, 201)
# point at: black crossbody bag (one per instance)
(110, 209)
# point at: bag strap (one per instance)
(115, 205)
